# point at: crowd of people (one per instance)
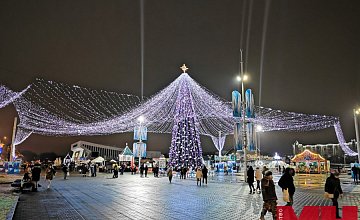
(264, 181)
(266, 186)
(32, 176)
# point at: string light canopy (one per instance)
(7, 96)
(58, 109)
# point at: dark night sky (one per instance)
(311, 59)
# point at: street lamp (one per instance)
(242, 78)
(356, 113)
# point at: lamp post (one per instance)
(241, 78)
(141, 119)
(356, 113)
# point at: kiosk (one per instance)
(309, 162)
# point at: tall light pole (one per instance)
(242, 77)
(356, 113)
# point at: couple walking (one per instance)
(250, 180)
(201, 173)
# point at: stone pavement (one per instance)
(132, 197)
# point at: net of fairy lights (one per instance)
(52, 108)
(7, 96)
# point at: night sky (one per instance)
(311, 59)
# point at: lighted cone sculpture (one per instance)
(185, 147)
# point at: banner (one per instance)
(139, 146)
(238, 136)
(140, 132)
(249, 104)
(236, 103)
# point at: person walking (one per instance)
(258, 177)
(116, 171)
(265, 169)
(132, 170)
(35, 177)
(204, 174)
(181, 172)
(49, 174)
(170, 173)
(95, 167)
(141, 170)
(250, 179)
(198, 176)
(333, 186)
(355, 173)
(184, 171)
(83, 170)
(65, 171)
(269, 196)
(146, 168)
(287, 182)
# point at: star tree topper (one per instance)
(184, 68)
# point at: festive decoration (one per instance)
(185, 147)
(7, 96)
(219, 143)
(57, 109)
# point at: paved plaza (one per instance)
(132, 197)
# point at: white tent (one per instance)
(98, 160)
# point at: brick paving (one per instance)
(132, 197)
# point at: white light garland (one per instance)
(57, 109)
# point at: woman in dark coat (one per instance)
(333, 186)
(36, 171)
(287, 182)
(250, 179)
(204, 174)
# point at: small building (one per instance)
(309, 162)
(83, 150)
(126, 156)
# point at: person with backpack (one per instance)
(286, 182)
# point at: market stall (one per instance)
(309, 162)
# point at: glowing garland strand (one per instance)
(51, 108)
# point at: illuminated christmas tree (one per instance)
(185, 147)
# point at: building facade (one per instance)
(328, 151)
(83, 150)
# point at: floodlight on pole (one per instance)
(141, 119)
(259, 128)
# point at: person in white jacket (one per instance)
(258, 176)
